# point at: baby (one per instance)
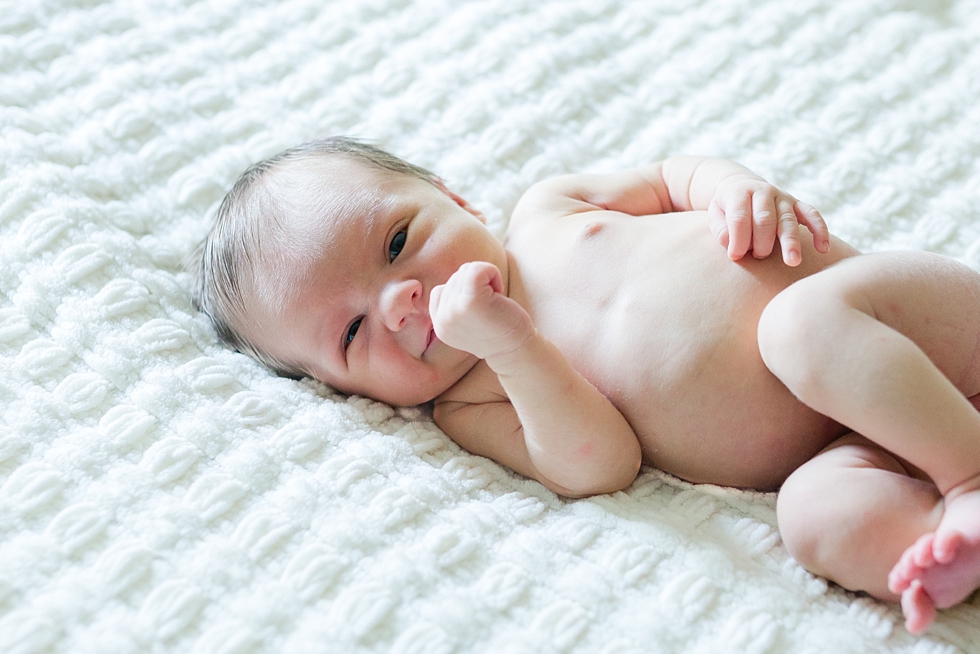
(611, 329)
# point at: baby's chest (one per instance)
(624, 296)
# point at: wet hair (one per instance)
(245, 231)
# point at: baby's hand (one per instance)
(470, 312)
(748, 213)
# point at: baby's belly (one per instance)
(697, 393)
(734, 425)
(668, 334)
(699, 397)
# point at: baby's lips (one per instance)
(430, 335)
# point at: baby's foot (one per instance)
(940, 569)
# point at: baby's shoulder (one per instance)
(550, 207)
(631, 192)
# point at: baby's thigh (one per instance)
(933, 300)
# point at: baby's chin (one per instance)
(408, 400)
(416, 387)
(404, 393)
(414, 394)
(417, 392)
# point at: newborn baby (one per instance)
(686, 314)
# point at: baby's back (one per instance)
(653, 313)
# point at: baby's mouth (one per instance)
(432, 337)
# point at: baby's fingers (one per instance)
(435, 296)
(717, 223)
(789, 233)
(811, 218)
(738, 215)
(477, 277)
(764, 223)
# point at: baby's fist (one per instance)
(471, 313)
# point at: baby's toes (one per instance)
(947, 545)
(902, 574)
(922, 551)
(918, 608)
(900, 580)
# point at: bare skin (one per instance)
(679, 315)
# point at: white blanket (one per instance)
(161, 494)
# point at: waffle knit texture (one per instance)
(159, 493)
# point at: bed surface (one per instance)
(159, 493)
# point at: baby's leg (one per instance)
(888, 344)
(850, 512)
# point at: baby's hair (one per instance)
(233, 247)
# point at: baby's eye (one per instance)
(351, 331)
(397, 243)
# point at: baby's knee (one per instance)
(789, 335)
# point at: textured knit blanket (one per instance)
(159, 493)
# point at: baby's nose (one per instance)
(399, 300)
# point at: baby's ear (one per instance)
(439, 184)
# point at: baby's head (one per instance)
(320, 263)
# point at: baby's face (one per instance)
(357, 318)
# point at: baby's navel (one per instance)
(593, 228)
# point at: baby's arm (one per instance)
(745, 212)
(565, 433)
